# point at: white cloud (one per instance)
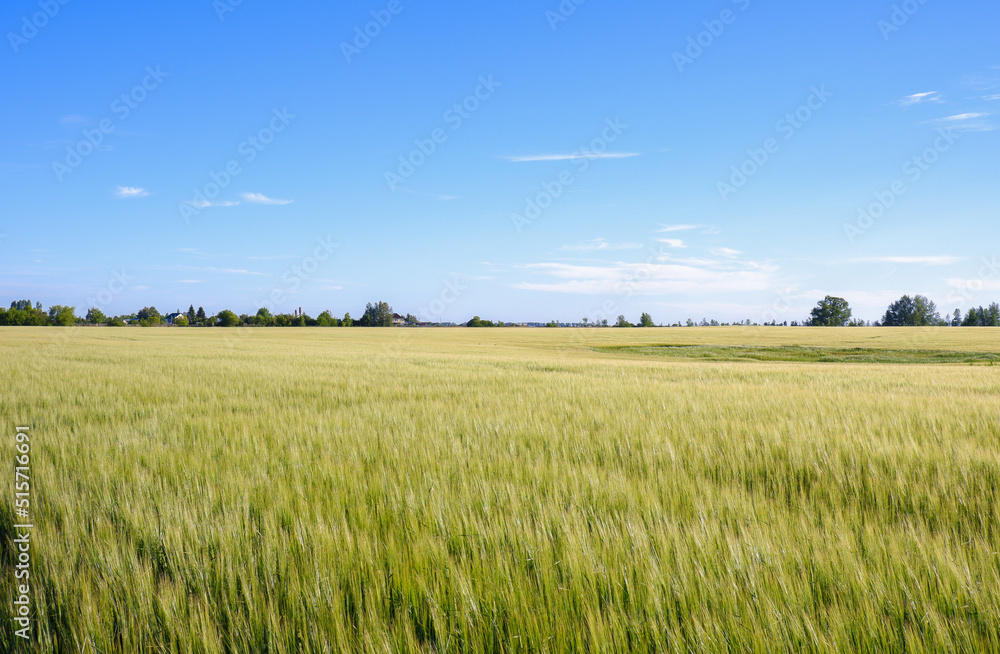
(725, 252)
(934, 260)
(976, 284)
(260, 198)
(574, 155)
(969, 116)
(191, 281)
(968, 122)
(131, 192)
(205, 204)
(600, 244)
(917, 98)
(213, 269)
(992, 97)
(678, 228)
(672, 242)
(650, 278)
(236, 271)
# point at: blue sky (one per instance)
(519, 161)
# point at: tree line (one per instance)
(23, 312)
(916, 311)
(831, 311)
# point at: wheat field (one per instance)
(502, 490)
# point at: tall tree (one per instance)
(95, 316)
(917, 311)
(646, 320)
(146, 313)
(191, 315)
(830, 312)
(378, 314)
(62, 316)
(993, 315)
(264, 318)
(228, 319)
(326, 319)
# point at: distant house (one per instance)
(171, 317)
(398, 320)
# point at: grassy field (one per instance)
(502, 490)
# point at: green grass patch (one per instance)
(804, 354)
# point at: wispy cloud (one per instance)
(205, 204)
(600, 244)
(725, 252)
(672, 242)
(918, 98)
(961, 117)
(190, 281)
(260, 198)
(992, 97)
(981, 81)
(969, 122)
(678, 228)
(235, 271)
(193, 252)
(934, 260)
(131, 192)
(649, 278)
(976, 284)
(573, 155)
